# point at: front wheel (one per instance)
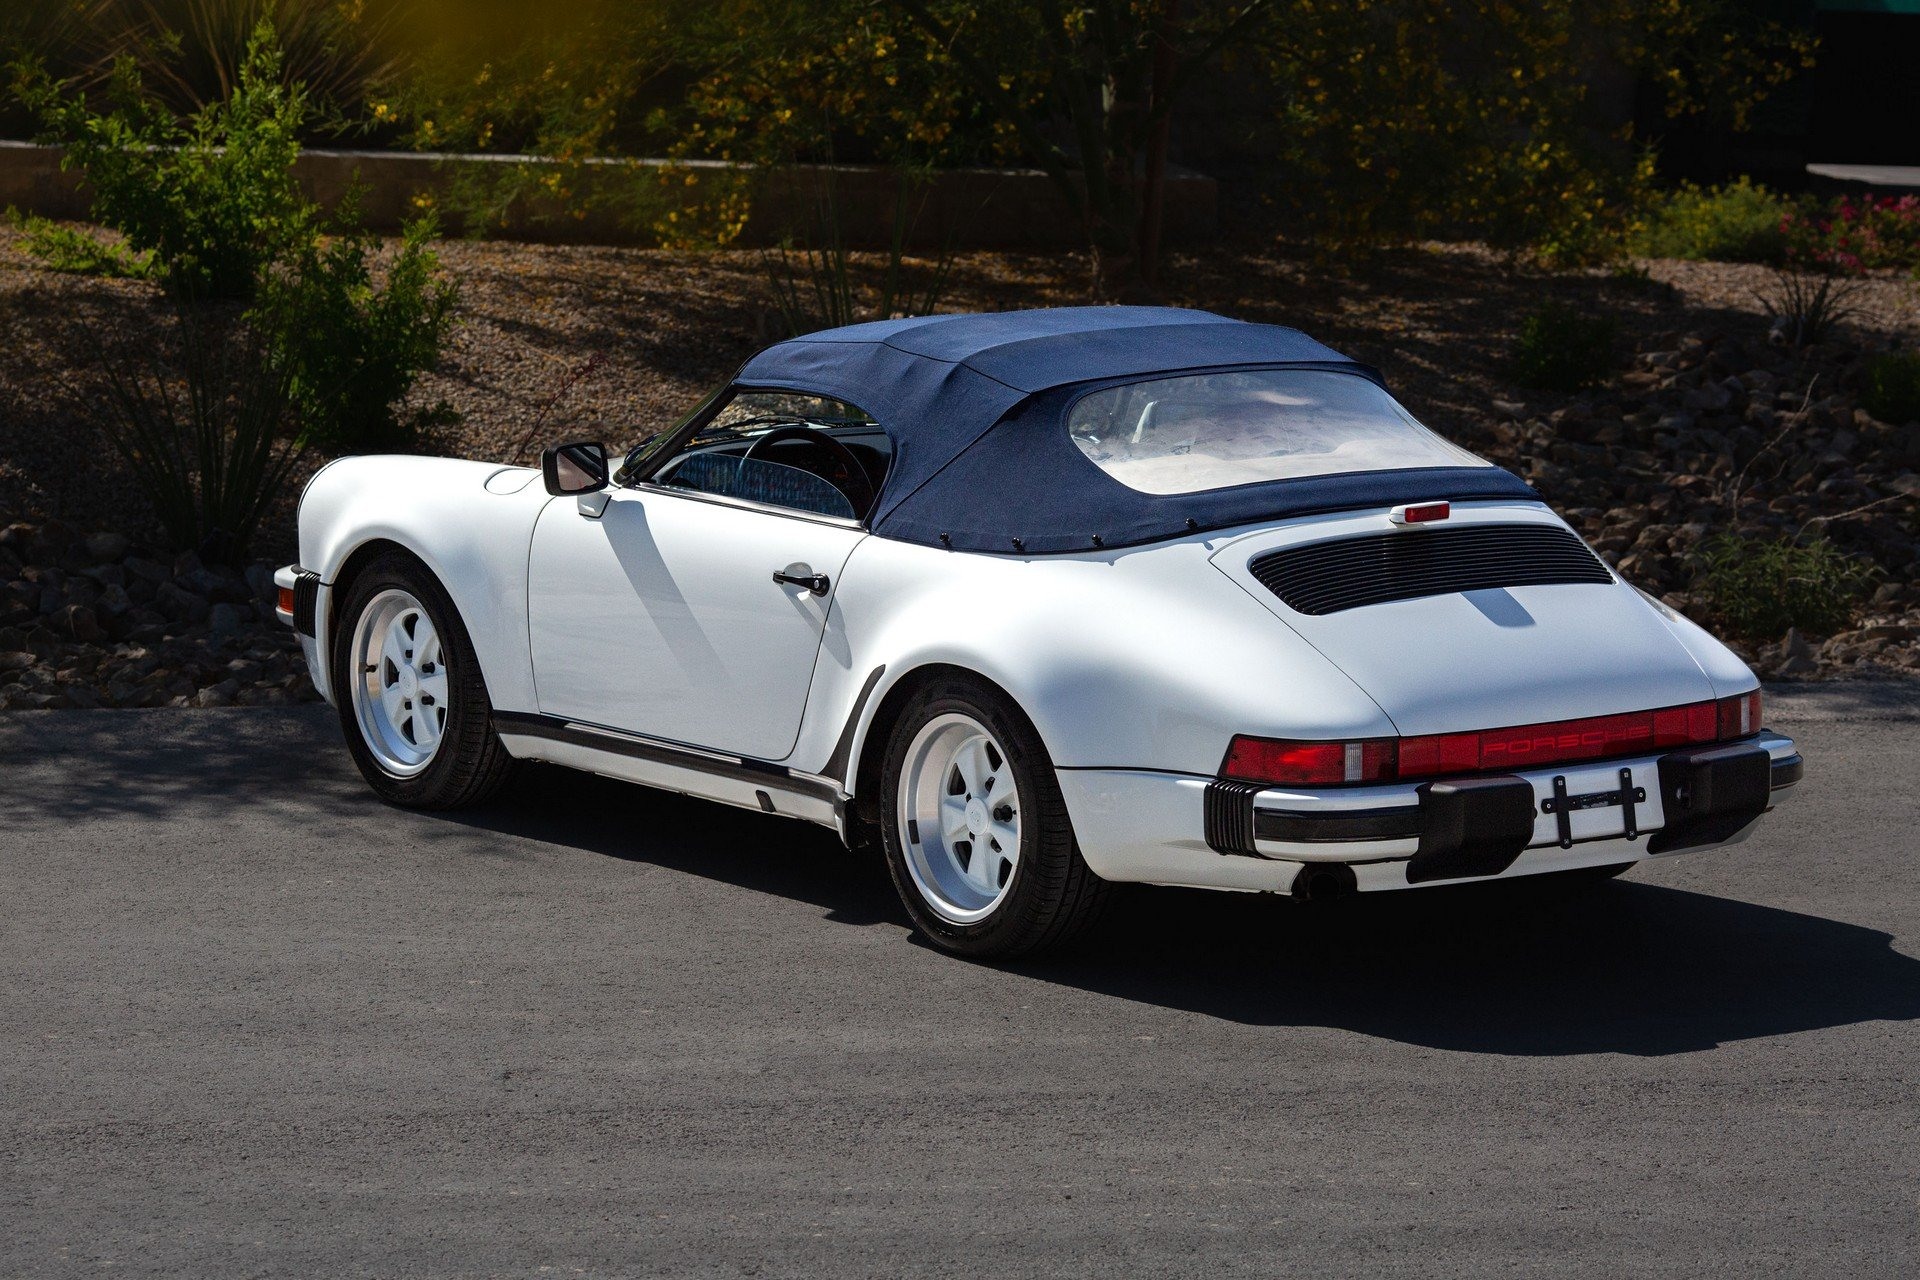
(977, 837)
(412, 701)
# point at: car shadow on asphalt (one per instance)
(1622, 967)
(1524, 968)
(1514, 968)
(753, 851)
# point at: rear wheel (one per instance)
(977, 839)
(412, 702)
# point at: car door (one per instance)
(661, 615)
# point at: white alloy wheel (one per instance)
(959, 815)
(398, 682)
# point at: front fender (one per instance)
(471, 523)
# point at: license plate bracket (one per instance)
(1563, 805)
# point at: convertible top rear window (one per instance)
(1207, 431)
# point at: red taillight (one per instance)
(1739, 715)
(1492, 750)
(1695, 722)
(286, 600)
(1439, 753)
(1528, 745)
(1315, 764)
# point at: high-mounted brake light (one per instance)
(1420, 512)
(1529, 746)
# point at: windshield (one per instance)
(1216, 430)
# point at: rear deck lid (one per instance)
(1499, 615)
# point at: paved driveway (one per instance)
(254, 1023)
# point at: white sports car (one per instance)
(1038, 602)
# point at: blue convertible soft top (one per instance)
(975, 408)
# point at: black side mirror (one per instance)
(579, 467)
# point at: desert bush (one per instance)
(1891, 388)
(195, 52)
(1758, 586)
(213, 203)
(1805, 306)
(814, 285)
(286, 333)
(201, 417)
(1739, 222)
(213, 198)
(354, 344)
(71, 249)
(1560, 348)
(190, 53)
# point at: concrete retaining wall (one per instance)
(967, 208)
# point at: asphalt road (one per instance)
(254, 1023)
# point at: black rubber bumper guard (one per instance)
(306, 599)
(1477, 827)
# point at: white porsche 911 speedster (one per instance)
(1038, 602)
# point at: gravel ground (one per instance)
(616, 343)
(634, 337)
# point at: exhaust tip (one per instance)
(1324, 882)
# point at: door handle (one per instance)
(818, 583)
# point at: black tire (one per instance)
(470, 764)
(1053, 898)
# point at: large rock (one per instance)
(104, 547)
(225, 619)
(181, 606)
(147, 571)
(78, 621)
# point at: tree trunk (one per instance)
(1114, 241)
(1153, 197)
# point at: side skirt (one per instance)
(735, 780)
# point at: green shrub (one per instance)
(324, 355)
(1563, 349)
(1739, 222)
(1892, 390)
(355, 346)
(63, 248)
(213, 197)
(1757, 587)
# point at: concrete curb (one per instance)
(958, 208)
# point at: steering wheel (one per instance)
(853, 483)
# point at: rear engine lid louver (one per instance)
(1346, 573)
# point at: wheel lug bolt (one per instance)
(1003, 814)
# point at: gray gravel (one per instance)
(257, 1024)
